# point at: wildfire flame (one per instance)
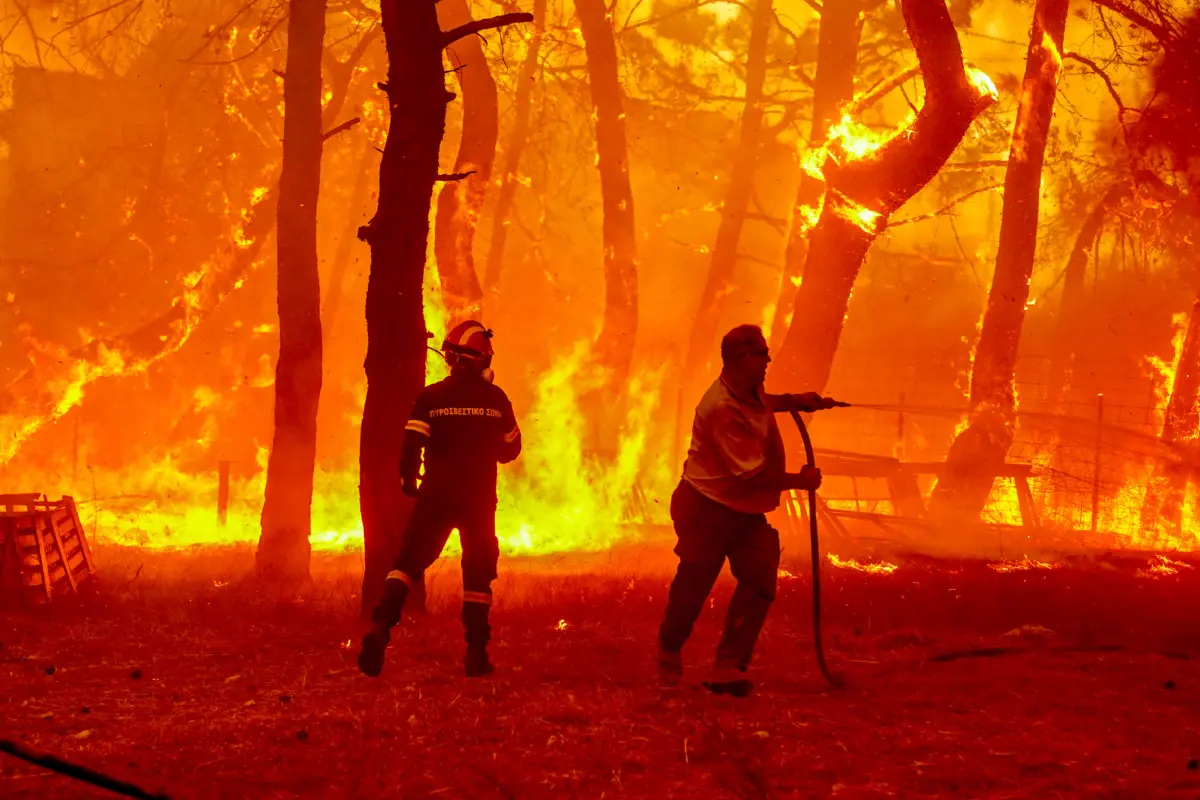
(878, 568)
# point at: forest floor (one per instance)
(961, 681)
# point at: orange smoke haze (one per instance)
(138, 325)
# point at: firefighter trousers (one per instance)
(709, 533)
(428, 529)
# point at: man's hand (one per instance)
(808, 402)
(409, 487)
(809, 479)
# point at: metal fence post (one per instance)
(1096, 473)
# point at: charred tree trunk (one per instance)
(1071, 311)
(283, 549)
(837, 57)
(459, 202)
(614, 346)
(398, 235)
(861, 192)
(962, 491)
(517, 139)
(1168, 488)
(737, 201)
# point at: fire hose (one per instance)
(818, 644)
(79, 773)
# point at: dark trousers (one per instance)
(425, 536)
(710, 532)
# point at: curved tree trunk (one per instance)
(459, 202)
(517, 139)
(837, 57)
(962, 491)
(283, 549)
(614, 346)
(398, 235)
(862, 192)
(1071, 310)
(1166, 491)
(733, 211)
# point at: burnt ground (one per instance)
(962, 682)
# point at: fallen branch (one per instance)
(345, 126)
(475, 26)
(456, 176)
(987, 652)
(77, 772)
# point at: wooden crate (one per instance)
(44, 550)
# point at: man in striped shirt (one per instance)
(466, 426)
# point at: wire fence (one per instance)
(1093, 446)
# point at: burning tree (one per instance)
(398, 237)
(866, 180)
(461, 200)
(614, 346)
(833, 87)
(737, 201)
(283, 550)
(1170, 127)
(982, 446)
(518, 138)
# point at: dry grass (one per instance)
(183, 678)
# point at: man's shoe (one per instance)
(476, 663)
(670, 668)
(729, 680)
(370, 658)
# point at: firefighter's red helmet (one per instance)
(469, 344)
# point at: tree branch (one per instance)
(881, 88)
(1159, 31)
(455, 176)
(345, 126)
(1112, 90)
(477, 25)
(946, 208)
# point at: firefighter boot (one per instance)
(478, 632)
(386, 616)
(729, 680)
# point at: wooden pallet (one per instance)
(44, 550)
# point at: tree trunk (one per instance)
(837, 57)
(517, 139)
(283, 549)
(1071, 310)
(1167, 490)
(614, 346)
(331, 305)
(459, 202)
(862, 191)
(737, 201)
(398, 235)
(962, 491)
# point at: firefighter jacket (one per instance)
(466, 426)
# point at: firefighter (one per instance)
(465, 424)
(733, 476)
